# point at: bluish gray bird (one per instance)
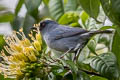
(65, 38)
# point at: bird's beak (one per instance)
(33, 28)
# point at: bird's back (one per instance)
(63, 38)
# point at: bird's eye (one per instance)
(42, 25)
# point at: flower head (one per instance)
(22, 57)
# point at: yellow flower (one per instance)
(37, 45)
(38, 38)
(29, 51)
(21, 52)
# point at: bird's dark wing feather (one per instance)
(66, 31)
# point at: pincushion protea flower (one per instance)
(23, 57)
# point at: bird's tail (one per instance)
(100, 32)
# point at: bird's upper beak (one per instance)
(33, 28)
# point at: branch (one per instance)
(86, 71)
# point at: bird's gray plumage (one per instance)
(62, 38)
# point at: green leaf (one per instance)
(92, 46)
(116, 45)
(105, 39)
(6, 17)
(29, 21)
(46, 2)
(56, 8)
(75, 24)
(107, 27)
(68, 77)
(17, 23)
(3, 8)
(2, 78)
(68, 18)
(84, 54)
(106, 65)
(82, 76)
(73, 68)
(111, 10)
(18, 7)
(32, 7)
(91, 7)
(84, 17)
(116, 10)
(71, 5)
(2, 42)
(97, 78)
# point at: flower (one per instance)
(22, 57)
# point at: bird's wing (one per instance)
(65, 31)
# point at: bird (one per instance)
(64, 38)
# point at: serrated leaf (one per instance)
(106, 65)
(56, 8)
(71, 5)
(18, 7)
(91, 7)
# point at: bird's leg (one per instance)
(77, 50)
(74, 58)
(65, 53)
(62, 56)
(77, 53)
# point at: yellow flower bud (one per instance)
(39, 38)
(37, 45)
(29, 51)
(15, 47)
(32, 57)
(12, 66)
(23, 57)
(22, 64)
(25, 42)
(18, 72)
(13, 59)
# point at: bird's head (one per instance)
(45, 23)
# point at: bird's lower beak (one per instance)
(33, 28)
